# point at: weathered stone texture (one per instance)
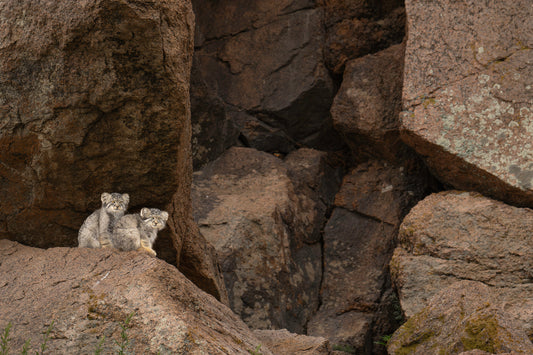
(367, 106)
(266, 227)
(93, 98)
(453, 236)
(462, 317)
(88, 293)
(358, 244)
(284, 342)
(468, 102)
(355, 28)
(266, 66)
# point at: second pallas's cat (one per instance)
(138, 231)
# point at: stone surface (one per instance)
(453, 236)
(467, 94)
(462, 317)
(266, 231)
(358, 244)
(94, 97)
(213, 129)
(284, 342)
(357, 28)
(367, 106)
(266, 65)
(88, 293)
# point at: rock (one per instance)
(266, 232)
(467, 99)
(284, 342)
(213, 128)
(88, 293)
(462, 317)
(267, 67)
(366, 108)
(453, 236)
(93, 98)
(358, 244)
(357, 28)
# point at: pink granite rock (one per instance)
(468, 97)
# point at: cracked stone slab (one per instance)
(453, 236)
(468, 95)
(267, 68)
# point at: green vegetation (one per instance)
(482, 334)
(4, 340)
(122, 345)
(46, 337)
(256, 351)
(384, 340)
(346, 348)
(124, 341)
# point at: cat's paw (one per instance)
(148, 251)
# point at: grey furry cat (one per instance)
(96, 231)
(139, 231)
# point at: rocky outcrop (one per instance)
(357, 28)
(367, 106)
(453, 236)
(467, 94)
(88, 294)
(266, 66)
(264, 216)
(358, 244)
(462, 317)
(94, 97)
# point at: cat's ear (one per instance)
(145, 213)
(126, 198)
(164, 215)
(105, 197)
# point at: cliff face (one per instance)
(314, 128)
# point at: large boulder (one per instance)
(468, 106)
(358, 244)
(367, 106)
(462, 317)
(453, 236)
(263, 215)
(355, 28)
(266, 66)
(88, 294)
(93, 98)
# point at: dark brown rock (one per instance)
(88, 293)
(357, 28)
(213, 128)
(367, 106)
(453, 236)
(266, 65)
(265, 227)
(467, 95)
(358, 243)
(462, 317)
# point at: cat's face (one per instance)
(154, 218)
(115, 202)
